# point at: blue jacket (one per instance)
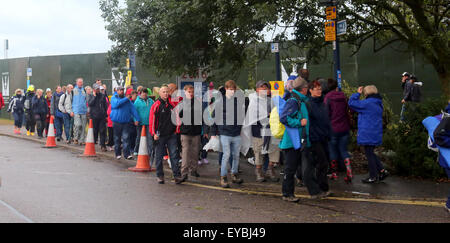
(123, 110)
(370, 118)
(143, 109)
(292, 116)
(79, 103)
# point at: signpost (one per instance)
(330, 31)
(276, 49)
(277, 88)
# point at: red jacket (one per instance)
(155, 115)
(2, 102)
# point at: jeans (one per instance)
(375, 165)
(100, 128)
(79, 127)
(161, 146)
(122, 136)
(133, 137)
(59, 121)
(18, 119)
(230, 161)
(339, 146)
(230, 145)
(67, 126)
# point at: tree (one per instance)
(181, 35)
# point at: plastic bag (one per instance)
(213, 145)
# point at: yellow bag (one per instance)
(276, 127)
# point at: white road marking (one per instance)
(17, 213)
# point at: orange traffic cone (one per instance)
(143, 162)
(89, 150)
(51, 143)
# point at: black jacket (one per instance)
(320, 125)
(98, 106)
(188, 126)
(221, 127)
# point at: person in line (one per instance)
(338, 111)
(143, 105)
(65, 106)
(134, 135)
(319, 134)
(79, 108)
(259, 111)
(30, 122)
(16, 108)
(48, 99)
(191, 118)
(110, 143)
(411, 92)
(164, 133)
(40, 111)
(370, 128)
(56, 113)
(2, 102)
(229, 115)
(122, 113)
(98, 113)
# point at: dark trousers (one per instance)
(110, 136)
(40, 122)
(448, 200)
(161, 146)
(293, 159)
(133, 136)
(204, 153)
(320, 159)
(18, 119)
(309, 165)
(59, 121)
(122, 136)
(30, 121)
(100, 129)
(375, 165)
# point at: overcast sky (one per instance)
(52, 27)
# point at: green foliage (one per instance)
(408, 140)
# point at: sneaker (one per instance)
(224, 182)
(251, 161)
(75, 142)
(299, 182)
(383, 175)
(119, 157)
(130, 157)
(179, 180)
(236, 180)
(370, 180)
(58, 139)
(160, 180)
(291, 199)
(110, 149)
(321, 195)
(205, 161)
(200, 162)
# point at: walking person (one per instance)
(65, 106)
(411, 92)
(98, 113)
(164, 133)
(48, 99)
(338, 110)
(319, 134)
(56, 113)
(16, 106)
(370, 128)
(258, 113)
(79, 108)
(122, 113)
(191, 118)
(229, 115)
(29, 116)
(40, 111)
(143, 105)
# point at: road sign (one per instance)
(275, 48)
(277, 88)
(331, 13)
(341, 27)
(330, 31)
(29, 72)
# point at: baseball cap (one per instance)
(96, 86)
(48, 90)
(406, 74)
(259, 84)
(101, 87)
(120, 88)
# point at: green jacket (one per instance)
(143, 109)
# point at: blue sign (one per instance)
(341, 27)
(339, 79)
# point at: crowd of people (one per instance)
(316, 117)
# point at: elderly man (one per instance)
(79, 109)
(65, 106)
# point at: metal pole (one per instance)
(337, 56)
(134, 80)
(278, 67)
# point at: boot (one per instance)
(334, 166)
(224, 182)
(348, 165)
(271, 174)
(259, 175)
(236, 180)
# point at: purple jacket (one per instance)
(338, 111)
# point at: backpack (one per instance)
(442, 132)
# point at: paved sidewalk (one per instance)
(394, 188)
